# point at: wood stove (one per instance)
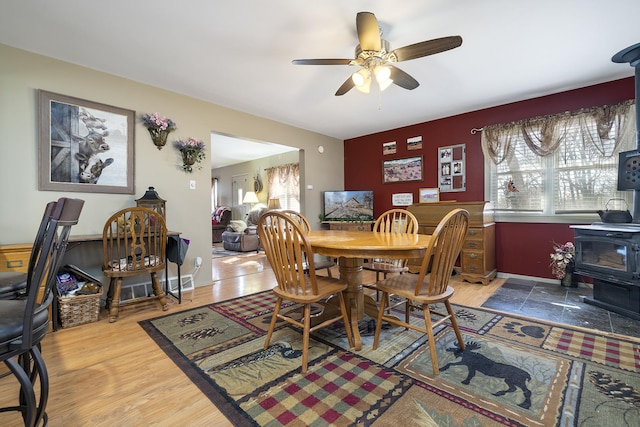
(610, 254)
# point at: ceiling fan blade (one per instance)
(368, 31)
(321, 61)
(346, 87)
(426, 48)
(403, 79)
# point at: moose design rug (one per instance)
(514, 371)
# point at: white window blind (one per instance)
(576, 173)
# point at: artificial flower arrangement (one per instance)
(562, 256)
(192, 150)
(158, 127)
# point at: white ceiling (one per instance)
(236, 150)
(238, 53)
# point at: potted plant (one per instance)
(158, 127)
(563, 263)
(192, 150)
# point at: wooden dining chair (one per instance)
(391, 221)
(430, 285)
(320, 263)
(134, 242)
(287, 247)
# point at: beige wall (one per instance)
(188, 211)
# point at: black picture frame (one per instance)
(84, 146)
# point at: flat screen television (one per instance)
(348, 205)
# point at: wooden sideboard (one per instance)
(478, 256)
(350, 225)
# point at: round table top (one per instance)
(368, 244)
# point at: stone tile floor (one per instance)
(553, 302)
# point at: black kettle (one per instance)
(615, 216)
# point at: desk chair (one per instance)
(392, 221)
(287, 248)
(320, 263)
(24, 321)
(427, 288)
(16, 286)
(134, 242)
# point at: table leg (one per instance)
(351, 273)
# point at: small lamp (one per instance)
(250, 197)
(151, 200)
(274, 204)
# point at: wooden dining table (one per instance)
(352, 248)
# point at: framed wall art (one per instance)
(428, 195)
(451, 168)
(414, 143)
(85, 146)
(402, 170)
(388, 148)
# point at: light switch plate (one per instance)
(192, 185)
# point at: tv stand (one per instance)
(350, 225)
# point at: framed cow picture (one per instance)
(84, 146)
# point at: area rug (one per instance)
(515, 371)
(221, 253)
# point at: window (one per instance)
(214, 194)
(284, 185)
(563, 165)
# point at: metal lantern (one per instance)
(151, 200)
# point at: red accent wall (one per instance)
(521, 248)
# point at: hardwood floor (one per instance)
(113, 374)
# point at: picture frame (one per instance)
(84, 146)
(388, 148)
(402, 170)
(429, 195)
(451, 168)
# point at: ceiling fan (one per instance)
(375, 56)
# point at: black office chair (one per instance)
(15, 286)
(25, 321)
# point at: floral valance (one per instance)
(544, 134)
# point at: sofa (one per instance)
(220, 219)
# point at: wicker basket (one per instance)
(79, 309)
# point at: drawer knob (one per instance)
(473, 256)
(14, 263)
(472, 232)
(472, 244)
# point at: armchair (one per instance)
(219, 222)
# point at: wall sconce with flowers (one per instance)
(158, 127)
(192, 151)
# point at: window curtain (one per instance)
(545, 134)
(284, 184)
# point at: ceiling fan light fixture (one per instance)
(382, 73)
(362, 80)
(385, 84)
(360, 77)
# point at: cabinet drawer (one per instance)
(15, 258)
(473, 244)
(475, 234)
(472, 262)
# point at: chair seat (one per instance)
(326, 288)
(13, 286)
(384, 267)
(12, 322)
(404, 286)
